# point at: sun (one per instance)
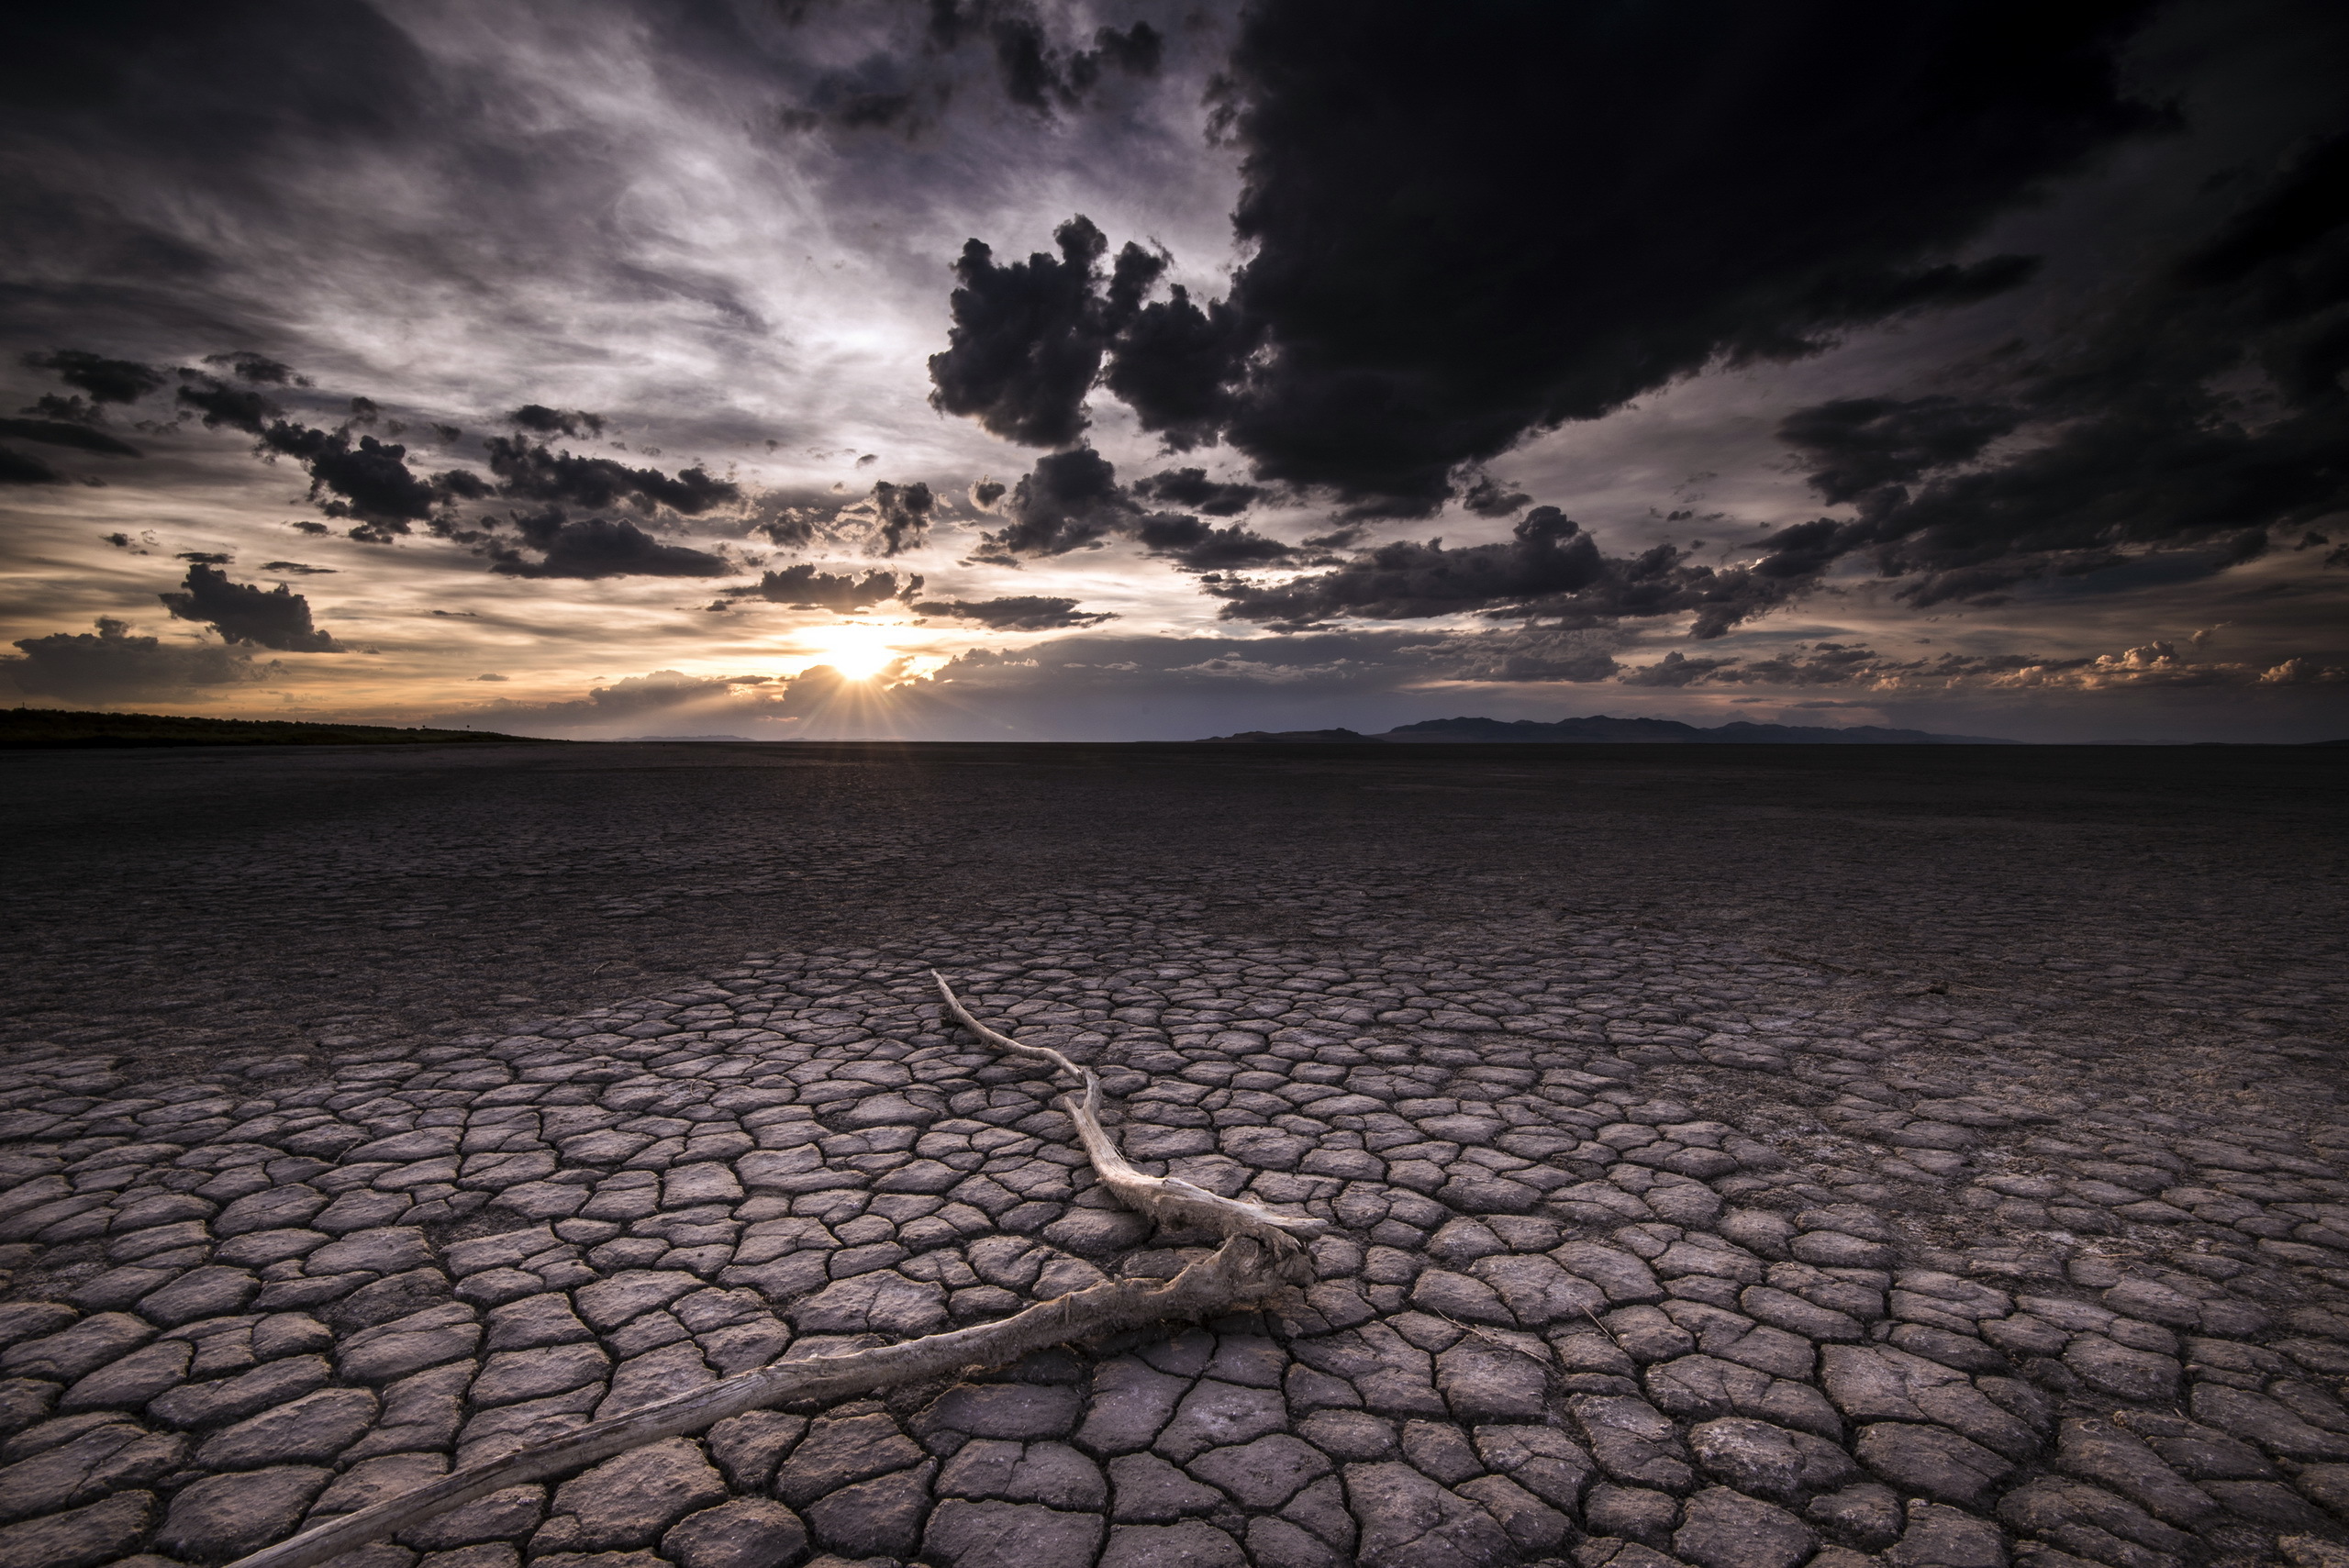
(858, 652)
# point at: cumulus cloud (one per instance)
(105, 380)
(1029, 336)
(1489, 497)
(1855, 445)
(1454, 236)
(2149, 665)
(245, 611)
(577, 423)
(904, 90)
(1072, 500)
(220, 404)
(113, 664)
(1020, 613)
(904, 511)
(369, 481)
(805, 587)
(531, 472)
(1191, 487)
(1548, 567)
(246, 365)
(597, 546)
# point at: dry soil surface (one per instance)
(1739, 1157)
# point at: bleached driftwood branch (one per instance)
(1262, 1250)
(1170, 1200)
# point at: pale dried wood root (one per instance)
(1170, 1200)
(1262, 1252)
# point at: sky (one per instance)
(1012, 370)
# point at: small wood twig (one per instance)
(1261, 1252)
(1605, 1329)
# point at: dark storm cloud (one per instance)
(1549, 566)
(577, 423)
(58, 433)
(1035, 75)
(105, 380)
(876, 93)
(244, 611)
(1029, 336)
(1489, 497)
(2310, 203)
(1072, 500)
(1022, 613)
(1005, 40)
(1191, 487)
(219, 403)
(205, 99)
(591, 547)
(1471, 227)
(2133, 454)
(1068, 501)
(246, 365)
(370, 481)
(527, 470)
(804, 587)
(904, 514)
(113, 665)
(1853, 445)
(19, 468)
(1194, 546)
(1172, 365)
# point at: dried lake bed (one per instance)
(1733, 1156)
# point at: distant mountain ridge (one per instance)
(1654, 731)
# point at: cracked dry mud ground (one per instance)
(1737, 1158)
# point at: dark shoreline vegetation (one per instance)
(27, 727)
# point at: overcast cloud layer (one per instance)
(972, 370)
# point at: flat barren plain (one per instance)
(1736, 1156)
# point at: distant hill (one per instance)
(25, 728)
(1292, 737)
(1654, 731)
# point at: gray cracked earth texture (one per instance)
(2004, 1220)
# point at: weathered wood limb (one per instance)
(1170, 1200)
(1238, 1271)
(1261, 1252)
